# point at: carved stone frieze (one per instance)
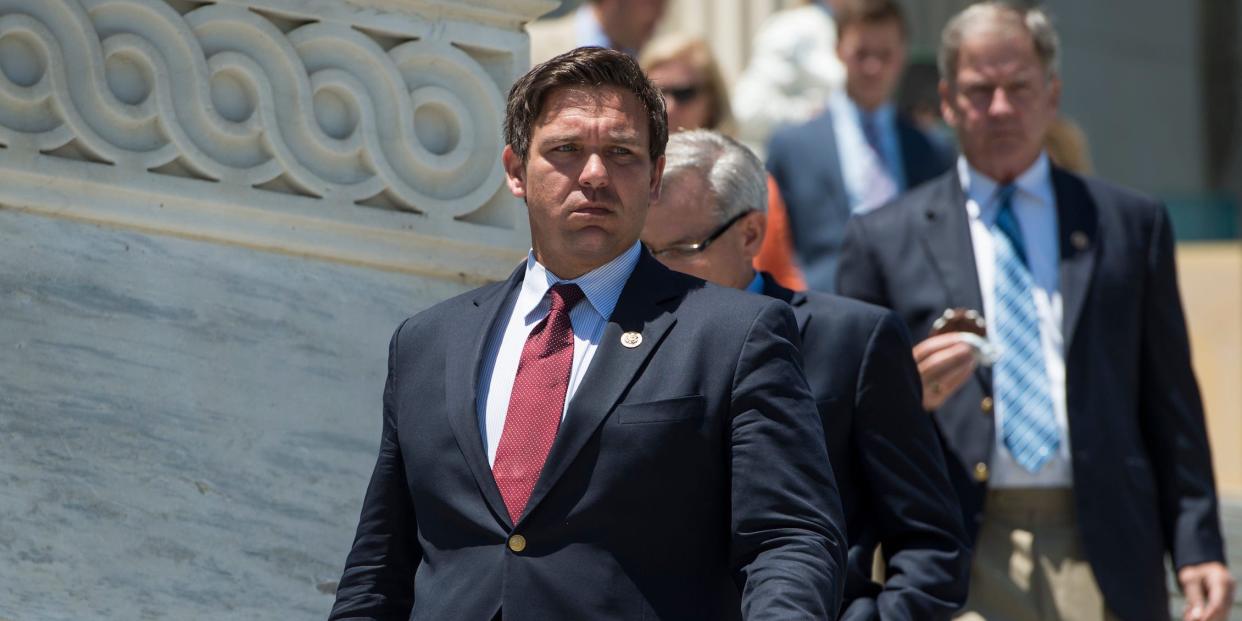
(351, 119)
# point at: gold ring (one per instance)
(934, 387)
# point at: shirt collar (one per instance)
(756, 283)
(601, 285)
(884, 116)
(1034, 183)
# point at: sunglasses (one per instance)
(682, 94)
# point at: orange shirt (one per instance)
(776, 255)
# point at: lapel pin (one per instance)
(631, 339)
(1079, 240)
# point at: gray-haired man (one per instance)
(1080, 457)
(709, 222)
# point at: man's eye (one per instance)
(565, 148)
(680, 252)
(620, 151)
(978, 92)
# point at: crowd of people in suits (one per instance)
(889, 373)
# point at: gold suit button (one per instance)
(1079, 240)
(986, 405)
(981, 472)
(517, 543)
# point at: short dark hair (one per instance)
(855, 12)
(591, 67)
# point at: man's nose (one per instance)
(872, 66)
(1000, 104)
(594, 172)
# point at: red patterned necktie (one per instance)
(537, 401)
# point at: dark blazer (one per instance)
(690, 471)
(1143, 481)
(887, 459)
(806, 164)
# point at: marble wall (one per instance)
(212, 217)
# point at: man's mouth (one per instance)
(592, 210)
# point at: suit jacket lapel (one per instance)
(828, 156)
(461, 379)
(1078, 222)
(614, 367)
(946, 237)
(917, 159)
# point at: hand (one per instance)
(945, 363)
(1208, 588)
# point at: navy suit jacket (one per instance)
(806, 164)
(689, 473)
(887, 459)
(1143, 483)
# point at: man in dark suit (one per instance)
(1080, 457)
(597, 437)
(859, 152)
(709, 222)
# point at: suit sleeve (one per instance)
(378, 581)
(907, 494)
(788, 547)
(1172, 414)
(858, 276)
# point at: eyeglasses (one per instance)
(684, 251)
(682, 94)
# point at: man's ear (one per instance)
(946, 106)
(1054, 88)
(754, 227)
(515, 172)
(657, 178)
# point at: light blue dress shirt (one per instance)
(498, 369)
(858, 161)
(885, 119)
(1035, 207)
(756, 284)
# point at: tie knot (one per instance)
(1004, 195)
(565, 296)
(871, 129)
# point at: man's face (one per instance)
(587, 179)
(1001, 102)
(630, 23)
(685, 214)
(874, 55)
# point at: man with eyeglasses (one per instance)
(859, 152)
(709, 222)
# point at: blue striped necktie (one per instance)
(1020, 376)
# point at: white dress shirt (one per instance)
(871, 178)
(602, 287)
(1034, 206)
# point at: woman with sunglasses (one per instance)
(685, 70)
